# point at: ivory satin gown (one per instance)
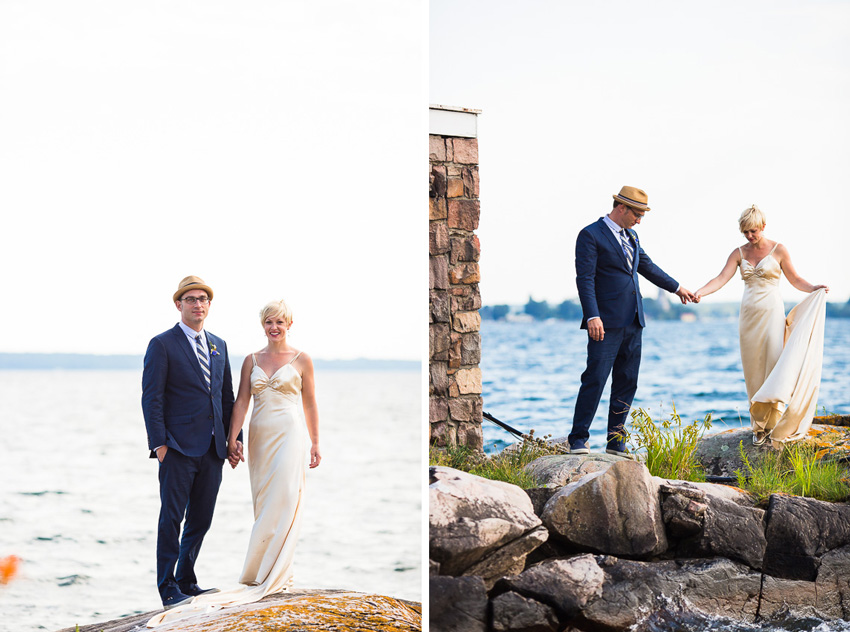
(277, 440)
(781, 356)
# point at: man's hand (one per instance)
(234, 454)
(160, 452)
(595, 329)
(686, 295)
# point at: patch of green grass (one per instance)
(767, 476)
(669, 447)
(507, 466)
(459, 457)
(795, 470)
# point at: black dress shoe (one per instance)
(174, 600)
(193, 590)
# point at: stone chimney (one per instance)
(454, 336)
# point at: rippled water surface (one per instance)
(532, 372)
(79, 497)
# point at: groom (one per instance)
(608, 259)
(187, 397)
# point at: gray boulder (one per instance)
(683, 515)
(632, 590)
(734, 531)
(833, 584)
(457, 604)
(616, 511)
(717, 528)
(720, 456)
(701, 490)
(707, 520)
(799, 532)
(540, 496)
(826, 598)
(566, 584)
(514, 613)
(557, 470)
(509, 559)
(719, 453)
(479, 526)
(783, 597)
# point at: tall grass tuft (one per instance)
(767, 476)
(796, 470)
(803, 465)
(459, 457)
(670, 448)
(507, 466)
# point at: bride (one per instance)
(781, 356)
(275, 376)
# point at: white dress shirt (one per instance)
(190, 334)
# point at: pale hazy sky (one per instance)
(273, 148)
(707, 106)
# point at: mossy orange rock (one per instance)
(299, 610)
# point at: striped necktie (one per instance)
(627, 247)
(202, 356)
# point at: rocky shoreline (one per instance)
(294, 611)
(602, 545)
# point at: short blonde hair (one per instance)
(751, 219)
(274, 310)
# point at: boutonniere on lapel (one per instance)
(213, 351)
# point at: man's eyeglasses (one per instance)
(635, 213)
(203, 300)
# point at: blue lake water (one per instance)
(79, 496)
(531, 375)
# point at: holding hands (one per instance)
(686, 296)
(234, 453)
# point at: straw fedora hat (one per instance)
(192, 283)
(631, 196)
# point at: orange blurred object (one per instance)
(8, 568)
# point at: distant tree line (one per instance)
(838, 310)
(570, 309)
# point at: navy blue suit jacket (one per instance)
(606, 286)
(180, 412)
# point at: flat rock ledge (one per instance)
(720, 454)
(602, 545)
(295, 611)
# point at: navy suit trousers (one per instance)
(188, 486)
(617, 355)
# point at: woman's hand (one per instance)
(315, 456)
(818, 287)
(234, 453)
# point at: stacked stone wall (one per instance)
(455, 323)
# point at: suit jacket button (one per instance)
(210, 417)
